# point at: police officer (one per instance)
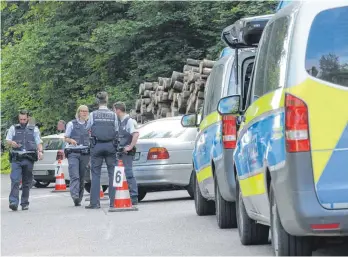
(77, 152)
(128, 136)
(104, 127)
(25, 141)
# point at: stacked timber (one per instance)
(181, 93)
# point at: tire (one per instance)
(225, 211)
(191, 187)
(250, 232)
(284, 244)
(141, 194)
(41, 184)
(88, 187)
(202, 205)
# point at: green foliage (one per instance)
(5, 164)
(58, 55)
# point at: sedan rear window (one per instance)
(53, 143)
(161, 129)
(327, 49)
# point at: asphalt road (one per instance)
(166, 224)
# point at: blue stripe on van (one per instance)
(263, 140)
(332, 187)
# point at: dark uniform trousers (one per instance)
(99, 152)
(77, 170)
(128, 170)
(22, 169)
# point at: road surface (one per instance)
(166, 224)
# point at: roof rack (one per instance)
(246, 32)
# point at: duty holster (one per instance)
(68, 151)
(15, 156)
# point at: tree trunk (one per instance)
(178, 86)
(177, 76)
(191, 68)
(191, 105)
(198, 105)
(200, 95)
(193, 62)
(141, 89)
(206, 71)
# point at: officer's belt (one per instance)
(21, 155)
(77, 150)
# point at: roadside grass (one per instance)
(5, 164)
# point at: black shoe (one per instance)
(13, 206)
(134, 200)
(92, 207)
(25, 208)
(77, 202)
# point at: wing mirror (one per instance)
(229, 105)
(189, 120)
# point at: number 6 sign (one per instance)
(118, 176)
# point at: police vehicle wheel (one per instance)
(284, 244)
(190, 188)
(225, 210)
(202, 205)
(250, 232)
(41, 184)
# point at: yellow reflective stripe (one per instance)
(204, 174)
(268, 102)
(254, 185)
(210, 120)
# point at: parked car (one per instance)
(44, 170)
(216, 140)
(291, 156)
(163, 158)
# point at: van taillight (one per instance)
(296, 125)
(229, 131)
(158, 153)
(60, 155)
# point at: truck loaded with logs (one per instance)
(182, 93)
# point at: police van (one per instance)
(216, 140)
(291, 159)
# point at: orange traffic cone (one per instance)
(102, 195)
(122, 200)
(60, 181)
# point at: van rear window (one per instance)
(327, 48)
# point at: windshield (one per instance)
(327, 51)
(161, 129)
(53, 143)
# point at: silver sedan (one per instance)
(164, 156)
(163, 160)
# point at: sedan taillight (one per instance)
(60, 155)
(158, 153)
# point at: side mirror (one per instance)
(189, 120)
(229, 105)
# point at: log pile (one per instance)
(181, 93)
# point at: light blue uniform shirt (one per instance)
(11, 133)
(90, 119)
(131, 125)
(69, 128)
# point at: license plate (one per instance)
(136, 157)
(40, 172)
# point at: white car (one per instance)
(44, 170)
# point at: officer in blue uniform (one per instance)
(128, 136)
(77, 152)
(26, 148)
(104, 127)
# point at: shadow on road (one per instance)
(165, 200)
